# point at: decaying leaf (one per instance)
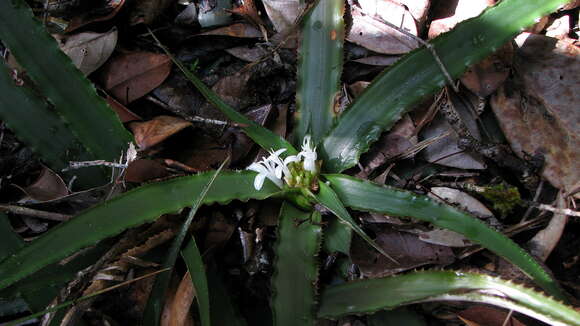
(129, 76)
(538, 109)
(214, 13)
(152, 132)
(108, 10)
(88, 51)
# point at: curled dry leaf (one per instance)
(145, 170)
(538, 109)
(89, 51)
(48, 186)
(152, 132)
(129, 76)
(146, 11)
(370, 32)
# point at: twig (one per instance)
(565, 211)
(35, 213)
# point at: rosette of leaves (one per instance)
(339, 141)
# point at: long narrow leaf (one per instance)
(295, 278)
(367, 196)
(154, 308)
(417, 75)
(10, 242)
(368, 296)
(319, 69)
(133, 208)
(329, 199)
(43, 130)
(73, 96)
(262, 136)
(194, 262)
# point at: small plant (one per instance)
(310, 182)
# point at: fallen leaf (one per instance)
(125, 115)
(559, 28)
(187, 16)
(48, 186)
(104, 12)
(368, 31)
(152, 132)
(241, 30)
(89, 51)
(538, 109)
(176, 310)
(249, 54)
(406, 248)
(249, 12)
(143, 170)
(129, 76)
(419, 9)
(486, 76)
(283, 13)
(377, 60)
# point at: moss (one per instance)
(503, 197)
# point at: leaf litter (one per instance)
(530, 90)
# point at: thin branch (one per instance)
(34, 213)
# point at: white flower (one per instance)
(308, 153)
(272, 168)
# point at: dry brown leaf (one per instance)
(125, 115)
(538, 109)
(89, 51)
(145, 170)
(480, 315)
(129, 76)
(152, 132)
(176, 310)
(406, 248)
(486, 76)
(368, 31)
(241, 30)
(48, 186)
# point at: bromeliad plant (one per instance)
(309, 181)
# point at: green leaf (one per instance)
(194, 262)
(10, 241)
(154, 308)
(130, 209)
(262, 136)
(369, 296)
(223, 311)
(296, 267)
(35, 124)
(73, 96)
(417, 75)
(367, 196)
(328, 198)
(319, 69)
(337, 236)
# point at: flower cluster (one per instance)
(288, 170)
